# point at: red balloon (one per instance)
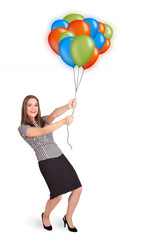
(79, 27)
(106, 46)
(93, 59)
(101, 28)
(53, 38)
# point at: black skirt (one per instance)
(59, 174)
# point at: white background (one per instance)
(108, 132)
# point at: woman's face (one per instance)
(32, 108)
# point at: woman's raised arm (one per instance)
(71, 104)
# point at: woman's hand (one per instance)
(68, 120)
(72, 103)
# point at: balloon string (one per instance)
(80, 78)
(76, 88)
(74, 79)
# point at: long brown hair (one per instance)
(24, 117)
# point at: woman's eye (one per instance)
(35, 105)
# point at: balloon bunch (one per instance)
(79, 41)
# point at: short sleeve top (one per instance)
(44, 145)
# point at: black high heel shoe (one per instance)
(46, 227)
(69, 228)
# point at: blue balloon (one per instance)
(59, 23)
(99, 40)
(94, 25)
(64, 51)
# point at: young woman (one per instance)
(59, 174)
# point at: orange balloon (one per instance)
(101, 28)
(93, 59)
(53, 38)
(79, 27)
(106, 46)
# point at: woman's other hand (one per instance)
(69, 120)
(72, 103)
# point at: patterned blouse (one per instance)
(44, 145)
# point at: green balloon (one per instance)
(66, 34)
(81, 49)
(71, 17)
(108, 31)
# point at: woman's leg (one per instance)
(50, 205)
(72, 203)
